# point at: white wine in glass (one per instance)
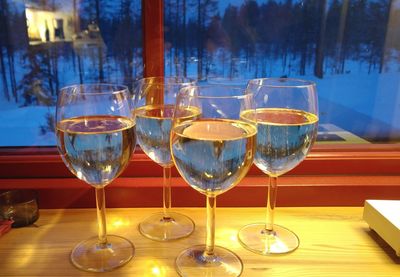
(287, 123)
(212, 152)
(96, 138)
(155, 102)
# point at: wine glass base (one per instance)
(88, 255)
(159, 228)
(256, 238)
(194, 262)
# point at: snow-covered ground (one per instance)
(361, 103)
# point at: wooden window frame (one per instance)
(332, 174)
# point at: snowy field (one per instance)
(367, 105)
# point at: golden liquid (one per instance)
(213, 155)
(97, 148)
(284, 138)
(153, 128)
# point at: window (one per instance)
(45, 45)
(350, 48)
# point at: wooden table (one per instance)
(335, 241)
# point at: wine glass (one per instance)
(155, 97)
(213, 152)
(96, 137)
(287, 123)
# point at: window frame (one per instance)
(335, 159)
(347, 163)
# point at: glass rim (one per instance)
(186, 80)
(301, 83)
(71, 89)
(244, 94)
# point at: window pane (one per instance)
(45, 45)
(350, 48)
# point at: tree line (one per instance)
(306, 37)
(33, 73)
(320, 35)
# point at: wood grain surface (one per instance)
(334, 241)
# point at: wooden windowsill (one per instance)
(333, 242)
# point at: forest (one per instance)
(317, 35)
(257, 38)
(101, 41)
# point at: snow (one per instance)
(20, 126)
(366, 104)
(376, 96)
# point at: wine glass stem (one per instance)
(166, 191)
(271, 201)
(210, 235)
(101, 216)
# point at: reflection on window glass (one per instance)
(350, 48)
(48, 44)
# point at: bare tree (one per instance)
(320, 44)
(340, 56)
(206, 9)
(6, 15)
(185, 55)
(3, 39)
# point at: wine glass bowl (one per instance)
(287, 122)
(96, 138)
(212, 152)
(155, 101)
